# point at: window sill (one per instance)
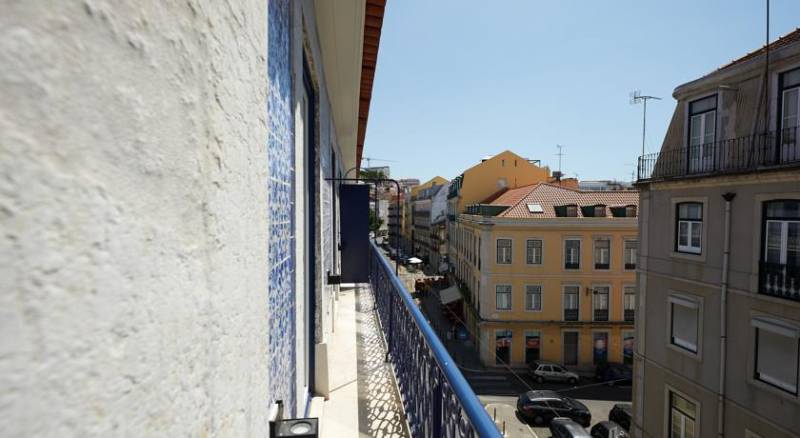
(694, 355)
(772, 389)
(699, 258)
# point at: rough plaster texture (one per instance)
(133, 281)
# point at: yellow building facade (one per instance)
(550, 273)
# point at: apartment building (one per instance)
(418, 215)
(502, 171)
(171, 210)
(548, 272)
(719, 282)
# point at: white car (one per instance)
(546, 371)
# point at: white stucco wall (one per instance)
(133, 274)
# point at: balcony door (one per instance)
(790, 116)
(780, 269)
(702, 133)
(305, 299)
(570, 345)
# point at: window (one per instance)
(600, 303)
(628, 345)
(777, 353)
(533, 297)
(629, 303)
(532, 346)
(535, 208)
(566, 210)
(571, 296)
(503, 296)
(780, 263)
(503, 339)
(789, 107)
(504, 251)
(702, 132)
(630, 253)
(570, 348)
(684, 314)
(572, 254)
(600, 348)
(682, 417)
(533, 252)
(690, 227)
(602, 253)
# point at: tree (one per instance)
(371, 174)
(374, 221)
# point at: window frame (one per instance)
(625, 260)
(669, 408)
(510, 251)
(691, 114)
(595, 296)
(541, 297)
(565, 265)
(510, 293)
(781, 328)
(691, 224)
(564, 301)
(529, 256)
(597, 265)
(782, 89)
(687, 301)
(625, 294)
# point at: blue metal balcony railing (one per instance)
(437, 398)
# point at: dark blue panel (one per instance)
(354, 207)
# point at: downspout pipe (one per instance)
(723, 318)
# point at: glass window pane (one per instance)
(697, 229)
(783, 209)
(683, 233)
(793, 244)
(709, 123)
(790, 116)
(696, 135)
(702, 105)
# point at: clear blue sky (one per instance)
(458, 80)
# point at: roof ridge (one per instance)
(532, 188)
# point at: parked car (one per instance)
(540, 407)
(543, 371)
(614, 373)
(621, 414)
(567, 428)
(608, 429)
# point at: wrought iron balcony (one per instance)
(782, 281)
(752, 153)
(570, 314)
(601, 314)
(630, 315)
(437, 399)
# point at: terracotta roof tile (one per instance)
(789, 38)
(550, 196)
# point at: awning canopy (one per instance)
(450, 295)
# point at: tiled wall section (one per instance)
(280, 202)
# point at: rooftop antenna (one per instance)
(766, 76)
(560, 154)
(636, 97)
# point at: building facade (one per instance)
(165, 268)
(720, 256)
(418, 215)
(492, 175)
(548, 273)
